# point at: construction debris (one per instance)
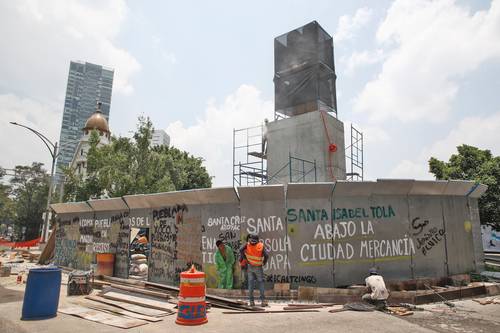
(399, 310)
(487, 301)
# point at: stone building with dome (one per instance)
(98, 122)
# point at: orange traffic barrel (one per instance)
(105, 264)
(192, 309)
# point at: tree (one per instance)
(131, 166)
(481, 166)
(7, 206)
(29, 189)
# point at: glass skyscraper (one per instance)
(87, 85)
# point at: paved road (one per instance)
(485, 318)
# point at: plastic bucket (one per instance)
(105, 264)
(41, 297)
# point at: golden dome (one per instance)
(97, 121)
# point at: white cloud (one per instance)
(483, 133)
(40, 39)
(349, 25)
(476, 131)
(19, 145)
(407, 169)
(166, 55)
(434, 44)
(360, 59)
(371, 134)
(211, 136)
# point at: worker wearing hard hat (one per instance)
(256, 256)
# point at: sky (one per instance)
(417, 77)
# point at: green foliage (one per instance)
(131, 166)
(7, 207)
(29, 189)
(472, 163)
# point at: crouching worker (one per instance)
(377, 292)
(224, 261)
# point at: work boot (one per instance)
(252, 303)
(264, 304)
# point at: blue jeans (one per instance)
(255, 273)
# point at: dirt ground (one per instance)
(467, 316)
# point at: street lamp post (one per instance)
(53, 149)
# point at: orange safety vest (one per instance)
(255, 254)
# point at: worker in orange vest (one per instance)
(256, 256)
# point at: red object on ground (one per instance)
(332, 147)
(192, 308)
(29, 243)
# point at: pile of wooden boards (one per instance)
(123, 307)
(169, 291)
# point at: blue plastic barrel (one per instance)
(41, 297)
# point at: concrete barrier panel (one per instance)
(263, 212)
(477, 237)
(458, 229)
(426, 228)
(111, 235)
(392, 245)
(164, 231)
(74, 240)
(175, 235)
(308, 209)
(353, 235)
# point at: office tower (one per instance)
(87, 84)
(160, 138)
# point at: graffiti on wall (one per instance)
(120, 221)
(216, 226)
(271, 229)
(164, 241)
(351, 237)
(308, 245)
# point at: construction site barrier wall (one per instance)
(318, 234)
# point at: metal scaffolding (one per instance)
(354, 153)
(297, 170)
(249, 162)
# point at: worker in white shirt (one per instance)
(377, 293)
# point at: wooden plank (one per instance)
(303, 307)
(48, 251)
(215, 300)
(102, 317)
(272, 311)
(123, 281)
(128, 298)
(118, 311)
(131, 307)
(136, 290)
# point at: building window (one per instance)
(81, 152)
